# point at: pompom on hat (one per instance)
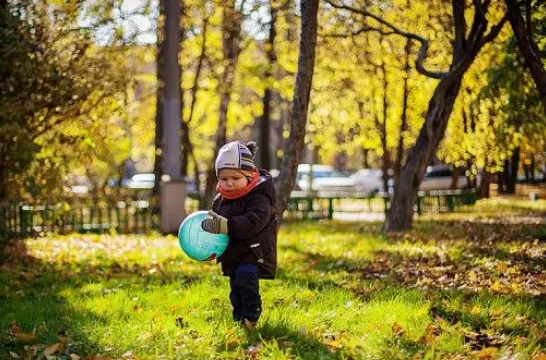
(238, 156)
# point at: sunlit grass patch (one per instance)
(451, 288)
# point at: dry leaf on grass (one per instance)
(16, 334)
(50, 350)
(253, 351)
(396, 329)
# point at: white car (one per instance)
(326, 181)
(440, 177)
(141, 181)
(368, 182)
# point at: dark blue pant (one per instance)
(245, 294)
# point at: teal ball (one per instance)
(197, 243)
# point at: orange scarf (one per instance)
(241, 192)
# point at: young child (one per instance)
(245, 210)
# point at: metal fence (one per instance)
(432, 202)
(139, 216)
(124, 216)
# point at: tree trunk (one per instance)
(159, 97)
(512, 177)
(172, 105)
(188, 146)
(293, 147)
(265, 131)
(467, 43)
(400, 213)
(231, 29)
(382, 126)
(483, 185)
(403, 117)
(265, 119)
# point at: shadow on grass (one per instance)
(466, 271)
(277, 339)
(33, 295)
(31, 290)
(30, 298)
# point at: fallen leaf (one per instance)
(396, 329)
(487, 353)
(17, 334)
(29, 352)
(23, 338)
(52, 349)
(63, 337)
(14, 328)
(253, 351)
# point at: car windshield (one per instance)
(321, 174)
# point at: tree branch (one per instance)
(424, 44)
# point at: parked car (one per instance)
(77, 184)
(370, 181)
(147, 181)
(440, 177)
(326, 181)
(141, 181)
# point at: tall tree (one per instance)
(523, 27)
(293, 147)
(172, 98)
(404, 115)
(160, 95)
(231, 48)
(53, 89)
(188, 151)
(265, 119)
(467, 42)
(518, 110)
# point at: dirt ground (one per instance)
(529, 191)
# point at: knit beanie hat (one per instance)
(236, 155)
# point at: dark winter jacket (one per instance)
(252, 229)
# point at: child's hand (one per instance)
(216, 225)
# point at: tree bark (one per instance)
(403, 117)
(401, 211)
(231, 30)
(160, 94)
(293, 147)
(382, 125)
(507, 181)
(265, 119)
(483, 185)
(171, 103)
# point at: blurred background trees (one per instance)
(79, 83)
(68, 103)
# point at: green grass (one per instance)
(460, 286)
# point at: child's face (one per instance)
(232, 180)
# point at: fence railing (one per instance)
(142, 216)
(432, 202)
(130, 216)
